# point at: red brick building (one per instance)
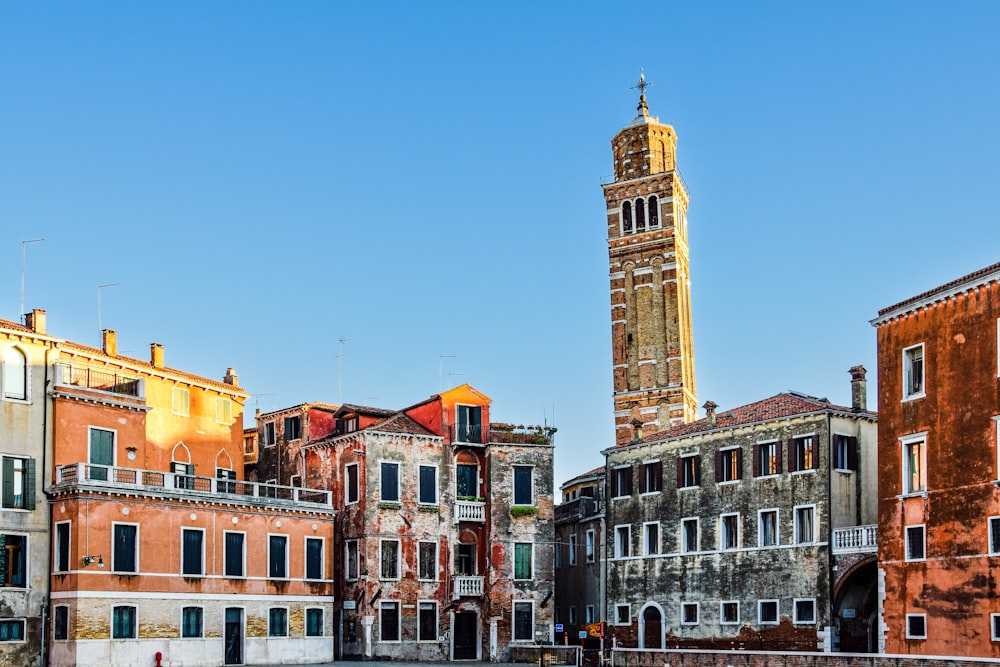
(939, 469)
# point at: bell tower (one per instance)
(652, 350)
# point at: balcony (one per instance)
(855, 540)
(508, 434)
(86, 476)
(99, 379)
(466, 586)
(470, 510)
(467, 434)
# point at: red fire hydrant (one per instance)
(159, 657)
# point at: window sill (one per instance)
(807, 471)
(729, 482)
(913, 397)
(844, 471)
(688, 488)
(621, 497)
(776, 475)
(649, 493)
(912, 494)
(14, 399)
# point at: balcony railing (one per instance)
(100, 379)
(468, 587)
(467, 433)
(856, 539)
(79, 474)
(520, 435)
(470, 510)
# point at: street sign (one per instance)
(559, 627)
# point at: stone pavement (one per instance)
(396, 663)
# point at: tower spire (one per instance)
(641, 86)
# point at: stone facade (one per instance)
(939, 481)
(580, 563)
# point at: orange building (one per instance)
(159, 544)
(939, 469)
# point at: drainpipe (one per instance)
(831, 563)
(604, 544)
(45, 442)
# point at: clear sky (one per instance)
(262, 179)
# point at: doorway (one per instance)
(234, 636)
(652, 625)
(465, 636)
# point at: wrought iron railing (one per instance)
(100, 379)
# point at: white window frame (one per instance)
(996, 442)
(226, 406)
(993, 547)
(797, 528)
(434, 545)
(623, 549)
(192, 606)
(723, 454)
(759, 451)
(513, 563)
(243, 555)
(399, 481)
(531, 484)
(760, 527)
(909, 635)
(288, 563)
(399, 560)
(644, 469)
(795, 612)
(995, 627)
(588, 614)
(288, 621)
(135, 626)
(777, 612)
(347, 560)
(27, 559)
(55, 613)
(695, 471)
(906, 442)
(180, 401)
(686, 547)
(618, 485)
(269, 433)
(114, 444)
(25, 370)
(399, 622)
(722, 612)
(722, 531)
(802, 439)
(645, 539)
(923, 541)
(357, 484)
(908, 393)
(56, 546)
(572, 549)
(305, 620)
(437, 494)
(835, 458)
(513, 616)
(138, 567)
(571, 615)
(305, 557)
(590, 545)
(437, 620)
(618, 613)
(697, 613)
(203, 543)
(27, 490)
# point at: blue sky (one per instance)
(264, 178)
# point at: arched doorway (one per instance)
(651, 626)
(855, 604)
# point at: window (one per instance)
(427, 561)
(623, 614)
(913, 372)
(428, 485)
(390, 482)
(389, 622)
(805, 529)
(627, 217)
(768, 528)
(845, 452)
(389, 559)
(728, 465)
(293, 428)
(14, 560)
(277, 622)
(223, 410)
(523, 493)
(277, 556)
(915, 543)
(589, 546)
(269, 438)
(234, 554)
(12, 630)
(621, 482)
(123, 622)
(351, 491)
(523, 557)
(767, 612)
(60, 623)
(314, 558)
(767, 459)
(651, 538)
(916, 626)
(15, 374)
(465, 559)
(470, 423)
(62, 545)
(524, 621)
(652, 477)
(623, 541)
(572, 549)
(227, 480)
(572, 615)
(640, 215)
(183, 475)
(654, 212)
(192, 622)
(102, 452)
(588, 614)
(466, 481)
(729, 531)
(351, 560)
(802, 454)
(688, 471)
(805, 611)
(180, 401)
(427, 621)
(689, 613)
(192, 552)
(125, 549)
(914, 468)
(314, 622)
(18, 483)
(994, 535)
(995, 627)
(729, 613)
(689, 535)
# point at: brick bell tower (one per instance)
(651, 342)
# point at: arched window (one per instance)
(15, 374)
(627, 217)
(640, 215)
(654, 212)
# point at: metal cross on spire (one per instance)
(642, 85)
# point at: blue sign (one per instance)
(559, 627)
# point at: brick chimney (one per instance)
(109, 342)
(35, 320)
(710, 412)
(231, 377)
(636, 431)
(859, 389)
(156, 355)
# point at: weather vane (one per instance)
(643, 84)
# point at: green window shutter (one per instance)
(29, 485)
(8, 482)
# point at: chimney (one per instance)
(710, 412)
(636, 431)
(231, 377)
(35, 320)
(109, 342)
(156, 355)
(859, 389)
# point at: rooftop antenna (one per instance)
(340, 369)
(23, 245)
(100, 326)
(441, 358)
